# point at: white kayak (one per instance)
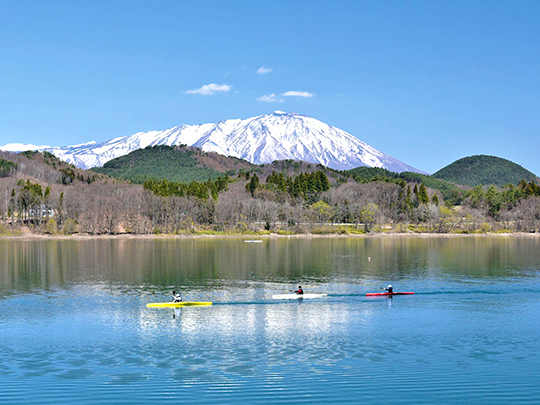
(297, 296)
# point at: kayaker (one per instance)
(389, 289)
(176, 297)
(299, 291)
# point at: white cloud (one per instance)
(264, 70)
(271, 98)
(298, 94)
(211, 89)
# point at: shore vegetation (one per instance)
(39, 194)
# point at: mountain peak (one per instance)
(258, 140)
(286, 114)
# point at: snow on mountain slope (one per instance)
(21, 147)
(261, 139)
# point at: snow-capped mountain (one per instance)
(261, 139)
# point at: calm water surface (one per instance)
(74, 326)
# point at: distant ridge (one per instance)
(484, 170)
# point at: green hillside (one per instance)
(184, 164)
(179, 164)
(449, 191)
(7, 167)
(44, 167)
(484, 170)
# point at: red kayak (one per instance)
(388, 293)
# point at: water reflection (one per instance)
(211, 264)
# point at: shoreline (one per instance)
(35, 237)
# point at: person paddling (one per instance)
(299, 291)
(176, 297)
(389, 289)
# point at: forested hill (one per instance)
(484, 170)
(450, 191)
(180, 164)
(186, 164)
(44, 167)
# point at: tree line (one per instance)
(307, 202)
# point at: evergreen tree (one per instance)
(476, 197)
(12, 206)
(494, 201)
(408, 199)
(7, 167)
(323, 179)
(277, 180)
(423, 195)
(253, 184)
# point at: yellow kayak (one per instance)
(176, 304)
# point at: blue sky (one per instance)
(427, 82)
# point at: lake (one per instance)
(74, 326)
